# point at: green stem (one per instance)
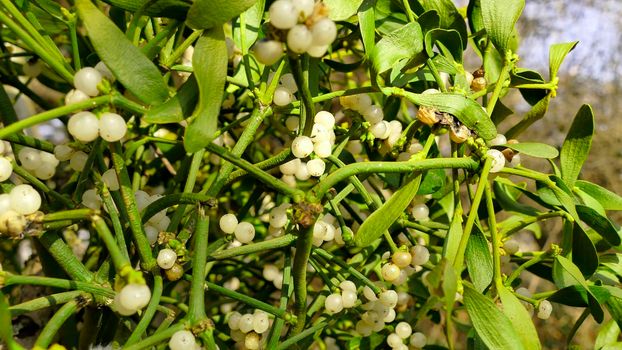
(235, 160)
(64, 256)
(306, 120)
(119, 261)
(286, 292)
(244, 49)
(116, 222)
(148, 313)
(533, 261)
(503, 76)
(53, 325)
(88, 287)
(274, 243)
(40, 185)
(175, 199)
(30, 141)
(494, 237)
(247, 137)
(73, 36)
(436, 75)
(196, 305)
(197, 159)
(344, 265)
(299, 270)
(389, 167)
(287, 344)
(46, 301)
(157, 337)
(276, 160)
(468, 227)
(179, 51)
(142, 243)
(52, 114)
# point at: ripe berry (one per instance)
(246, 323)
(251, 341)
(324, 32)
(303, 8)
(174, 273)
(302, 147)
(75, 96)
(30, 158)
(325, 118)
(6, 169)
(544, 310)
(166, 258)
(299, 38)
(63, 152)
(388, 298)
(86, 80)
(380, 130)
(290, 167)
(390, 272)
(109, 177)
(234, 321)
(498, 160)
(373, 114)
(228, 223)
(323, 149)
(347, 285)
(418, 340)
(282, 14)
(403, 330)
(401, 259)
(420, 212)
(333, 303)
(83, 126)
(182, 340)
(261, 323)
(25, 199)
(244, 232)
(134, 296)
(282, 96)
(112, 127)
(316, 167)
(91, 199)
(420, 255)
(268, 52)
(348, 298)
(393, 340)
(499, 140)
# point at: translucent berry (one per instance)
(228, 223)
(182, 340)
(166, 258)
(86, 80)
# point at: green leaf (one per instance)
(403, 43)
(429, 20)
(600, 224)
(584, 253)
(159, 8)
(499, 18)
(450, 17)
(520, 319)
(340, 10)
(557, 53)
(252, 16)
(577, 144)
(607, 335)
(469, 112)
(449, 39)
(479, 260)
(380, 220)
(433, 180)
(6, 326)
(176, 108)
(614, 305)
(534, 149)
(527, 76)
(493, 327)
(128, 64)
(535, 113)
(454, 234)
(509, 202)
(210, 69)
(367, 24)
(606, 198)
(206, 14)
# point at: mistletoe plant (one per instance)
(288, 174)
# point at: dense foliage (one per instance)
(289, 174)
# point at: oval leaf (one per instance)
(534, 149)
(468, 112)
(606, 198)
(205, 14)
(493, 327)
(128, 64)
(479, 260)
(599, 223)
(577, 144)
(557, 53)
(380, 220)
(177, 107)
(160, 8)
(520, 319)
(404, 42)
(210, 70)
(499, 18)
(340, 10)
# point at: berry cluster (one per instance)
(39, 163)
(381, 129)
(16, 209)
(304, 25)
(244, 231)
(247, 330)
(6, 168)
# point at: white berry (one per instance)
(373, 114)
(302, 146)
(290, 167)
(268, 52)
(182, 340)
(166, 258)
(282, 14)
(6, 169)
(380, 130)
(282, 96)
(420, 211)
(134, 296)
(327, 119)
(84, 126)
(25, 199)
(63, 152)
(75, 96)
(228, 223)
(499, 140)
(498, 160)
(390, 272)
(393, 340)
(246, 323)
(420, 255)
(316, 167)
(333, 303)
(303, 8)
(244, 232)
(109, 177)
(323, 149)
(78, 160)
(388, 298)
(403, 330)
(544, 309)
(299, 38)
(112, 127)
(401, 259)
(30, 158)
(324, 31)
(418, 340)
(348, 298)
(86, 80)
(261, 323)
(91, 199)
